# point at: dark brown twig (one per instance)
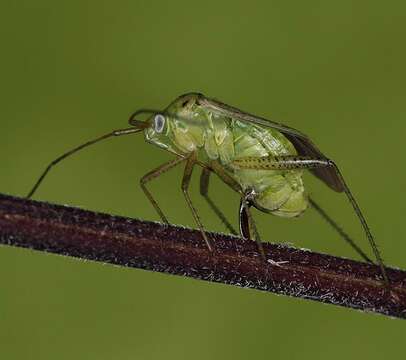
(175, 250)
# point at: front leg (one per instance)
(190, 162)
(154, 174)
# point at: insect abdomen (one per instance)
(223, 139)
(278, 191)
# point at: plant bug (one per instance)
(260, 159)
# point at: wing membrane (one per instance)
(301, 142)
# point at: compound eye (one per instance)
(159, 123)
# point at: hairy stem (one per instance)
(176, 250)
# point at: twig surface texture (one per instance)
(175, 250)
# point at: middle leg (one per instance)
(247, 223)
(246, 220)
(154, 174)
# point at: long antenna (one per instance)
(78, 148)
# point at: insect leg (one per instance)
(340, 231)
(362, 220)
(78, 148)
(154, 174)
(308, 162)
(243, 221)
(247, 223)
(219, 170)
(190, 162)
(204, 189)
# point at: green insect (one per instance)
(263, 161)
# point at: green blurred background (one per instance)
(73, 70)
